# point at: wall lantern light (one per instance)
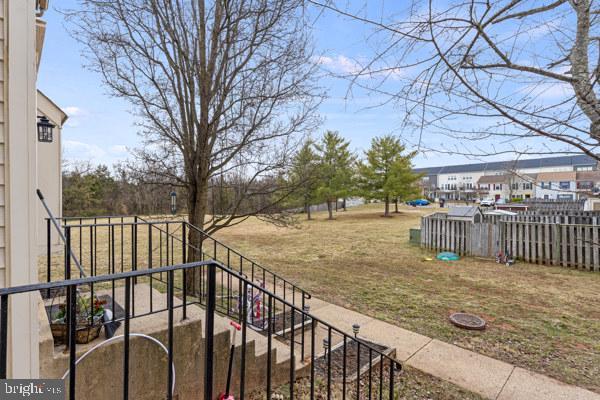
(45, 128)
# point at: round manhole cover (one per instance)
(468, 321)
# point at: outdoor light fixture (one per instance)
(325, 345)
(45, 127)
(355, 329)
(306, 308)
(173, 202)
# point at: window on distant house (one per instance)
(564, 185)
(514, 186)
(498, 186)
(527, 186)
(546, 185)
(546, 197)
(565, 197)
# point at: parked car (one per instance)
(487, 202)
(418, 202)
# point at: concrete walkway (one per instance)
(488, 377)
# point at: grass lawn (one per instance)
(546, 319)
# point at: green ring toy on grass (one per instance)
(448, 256)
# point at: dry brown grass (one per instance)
(546, 319)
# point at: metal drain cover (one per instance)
(468, 321)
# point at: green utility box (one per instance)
(415, 236)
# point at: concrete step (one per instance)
(148, 361)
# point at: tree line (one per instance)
(327, 170)
(321, 172)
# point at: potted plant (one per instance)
(89, 318)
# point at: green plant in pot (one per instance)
(89, 317)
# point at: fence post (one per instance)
(209, 331)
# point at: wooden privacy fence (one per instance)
(438, 232)
(540, 239)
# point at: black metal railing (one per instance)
(349, 366)
(109, 244)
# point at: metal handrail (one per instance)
(210, 267)
(138, 220)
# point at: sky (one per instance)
(101, 130)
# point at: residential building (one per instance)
(556, 185)
(588, 183)
(464, 182)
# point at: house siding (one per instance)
(18, 181)
(3, 73)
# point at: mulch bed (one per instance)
(337, 360)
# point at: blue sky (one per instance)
(101, 130)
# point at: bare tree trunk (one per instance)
(307, 210)
(344, 204)
(330, 209)
(396, 205)
(387, 206)
(197, 204)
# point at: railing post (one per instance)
(183, 256)
(3, 335)
(126, 339)
(67, 252)
(392, 367)
(170, 377)
(134, 248)
(184, 243)
(72, 327)
(48, 251)
(209, 331)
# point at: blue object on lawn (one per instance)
(448, 256)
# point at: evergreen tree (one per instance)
(336, 169)
(304, 174)
(387, 173)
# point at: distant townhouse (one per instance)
(512, 180)
(557, 185)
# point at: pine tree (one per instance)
(387, 173)
(305, 175)
(336, 169)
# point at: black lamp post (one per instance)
(44, 128)
(173, 202)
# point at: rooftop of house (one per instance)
(491, 179)
(556, 176)
(560, 161)
(588, 176)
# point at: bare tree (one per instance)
(221, 88)
(516, 70)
